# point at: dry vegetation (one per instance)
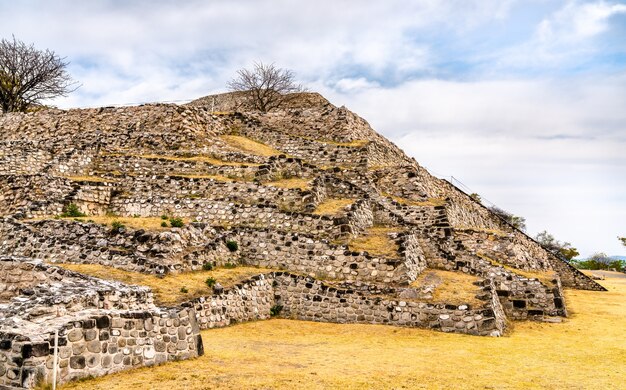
(376, 242)
(145, 223)
(214, 177)
(208, 159)
(450, 287)
(294, 182)
(167, 290)
(409, 202)
(587, 351)
(93, 179)
(495, 232)
(249, 146)
(332, 206)
(545, 277)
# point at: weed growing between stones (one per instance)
(117, 227)
(210, 281)
(207, 266)
(232, 246)
(275, 310)
(72, 211)
(177, 222)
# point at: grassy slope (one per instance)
(587, 351)
(167, 290)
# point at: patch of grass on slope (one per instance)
(167, 290)
(250, 146)
(332, 206)
(376, 242)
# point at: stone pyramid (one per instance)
(351, 229)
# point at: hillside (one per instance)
(303, 213)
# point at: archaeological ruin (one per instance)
(340, 223)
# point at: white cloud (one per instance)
(563, 39)
(576, 22)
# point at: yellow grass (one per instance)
(355, 143)
(587, 351)
(145, 223)
(93, 179)
(167, 290)
(451, 287)
(249, 146)
(495, 232)
(409, 202)
(214, 177)
(207, 159)
(376, 242)
(332, 206)
(295, 182)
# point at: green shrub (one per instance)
(207, 266)
(163, 224)
(184, 290)
(232, 246)
(230, 265)
(163, 216)
(210, 282)
(275, 310)
(71, 210)
(117, 226)
(177, 222)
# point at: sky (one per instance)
(522, 102)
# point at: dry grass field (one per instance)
(587, 351)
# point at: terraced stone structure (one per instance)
(354, 231)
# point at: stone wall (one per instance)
(415, 259)
(181, 188)
(228, 213)
(307, 255)
(98, 344)
(104, 326)
(521, 297)
(505, 247)
(249, 300)
(309, 299)
(305, 298)
(171, 165)
(77, 242)
(571, 276)
(35, 291)
(33, 195)
(320, 153)
(22, 158)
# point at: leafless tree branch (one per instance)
(267, 86)
(29, 75)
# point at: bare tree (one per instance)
(267, 87)
(29, 75)
(555, 246)
(516, 221)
